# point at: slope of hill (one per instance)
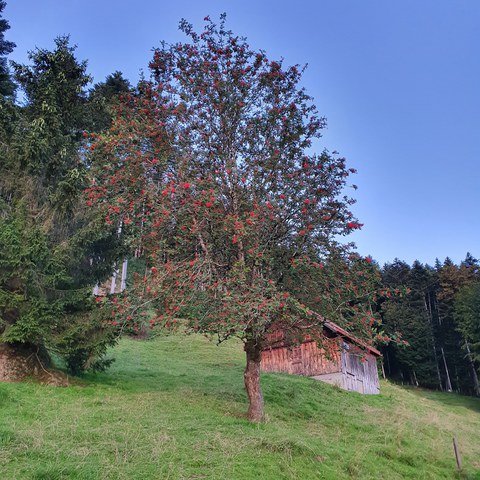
(172, 408)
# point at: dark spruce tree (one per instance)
(53, 249)
(466, 314)
(410, 314)
(454, 346)
(437, 318)
(7, 86)
(103, 98)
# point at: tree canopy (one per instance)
(208, 172)
(53, 249)
(7, 86)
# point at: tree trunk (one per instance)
(415, 378)
(476, 384)
(449, 383)
(432, 332)
(252, 381)
(22, 361)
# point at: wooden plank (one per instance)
(362, 367)
(305, 359)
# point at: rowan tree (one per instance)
(208, 172)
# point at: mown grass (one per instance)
(173, 408)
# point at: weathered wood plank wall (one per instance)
(336, 361)
(360, 371)
(306, 359)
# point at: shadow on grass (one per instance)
(173, 364)
(225, 380)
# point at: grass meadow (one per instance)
(173, 408)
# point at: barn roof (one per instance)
(333, 327)
(277, 338)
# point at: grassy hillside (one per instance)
(172, 408)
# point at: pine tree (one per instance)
(52, 250)
(7, 86)
(103, 98)
(452, 279)
(466, 314)
(416, 364)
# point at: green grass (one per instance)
(173, 408)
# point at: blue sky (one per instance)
(399, 83)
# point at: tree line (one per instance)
(440, 319)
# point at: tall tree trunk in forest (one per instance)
(388, 363)
(252, 381)
(476, 384)
(432, 331)
(449, 383)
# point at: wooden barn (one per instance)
(343, 360)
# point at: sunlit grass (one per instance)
(173, 408)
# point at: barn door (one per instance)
(353, 370)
